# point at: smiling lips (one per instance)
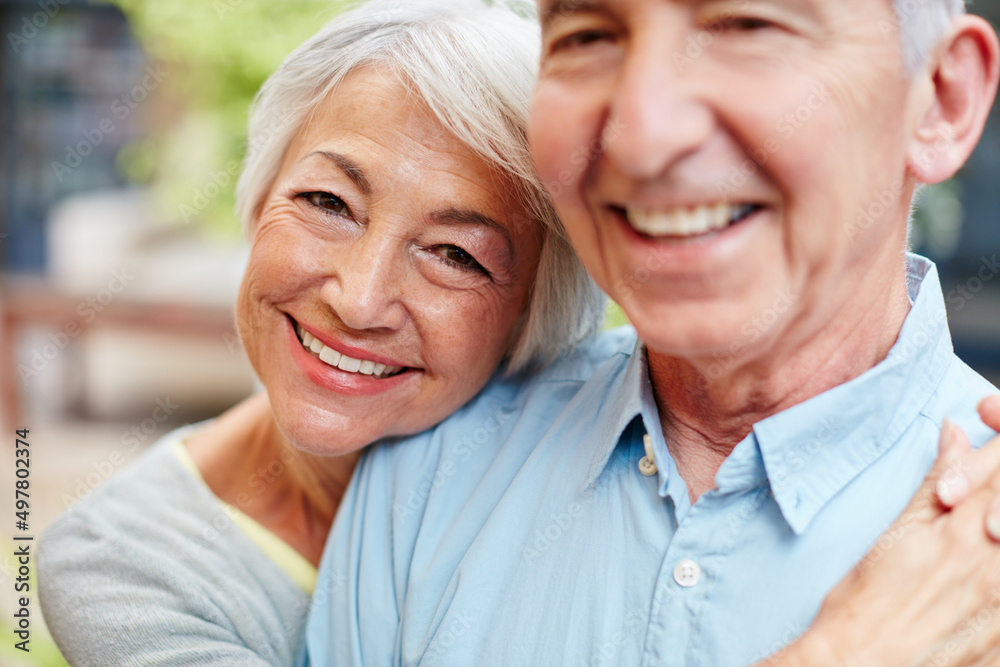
(686, 222)
(345, 363)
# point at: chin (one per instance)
(320, 433)
(698, 335)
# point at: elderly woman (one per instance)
(402, 252)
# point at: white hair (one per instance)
(921, 24)
(474, 64)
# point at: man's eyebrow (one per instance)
(470, 217)
(562, 8)
(350, 168)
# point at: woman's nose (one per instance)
(366, 283)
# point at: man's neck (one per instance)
(704, 417)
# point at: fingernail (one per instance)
(947, 436)
(993, 521)
(989, 400)
(953, 488)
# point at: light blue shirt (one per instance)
(521, 531)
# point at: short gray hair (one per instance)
(474, 64)
(921, 24)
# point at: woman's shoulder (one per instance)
(151, 484)
(150, 557)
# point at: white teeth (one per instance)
(683, 221)
(330, 356)
(348, 364)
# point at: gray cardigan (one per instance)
(149, 570)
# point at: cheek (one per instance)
(465, 337)
(278, 269)
(564, 125)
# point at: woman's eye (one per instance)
(326, 202)
(455, 255)
(750, 24)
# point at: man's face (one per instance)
(733, 172)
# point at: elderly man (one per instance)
(738, 176)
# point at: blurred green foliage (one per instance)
(614, 316)
(216, 54)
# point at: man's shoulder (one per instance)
(492, 436)
(580, 364)
(525, 400)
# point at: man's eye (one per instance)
(326, 202)
(581, 39)
(455, 255)
(740, 23)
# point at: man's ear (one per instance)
(964, 73)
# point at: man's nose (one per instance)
(657, 104)
(366, 283)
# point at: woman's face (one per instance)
(399, 258)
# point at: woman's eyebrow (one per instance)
(350, 168)
(470, 217)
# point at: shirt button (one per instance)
(647, 464)
(687, 573)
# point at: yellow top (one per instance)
(288, 560)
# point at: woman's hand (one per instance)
(965, 474)
(929, 592)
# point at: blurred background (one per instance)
(121, 134)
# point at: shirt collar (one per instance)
(812, 450)
(628, 395)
